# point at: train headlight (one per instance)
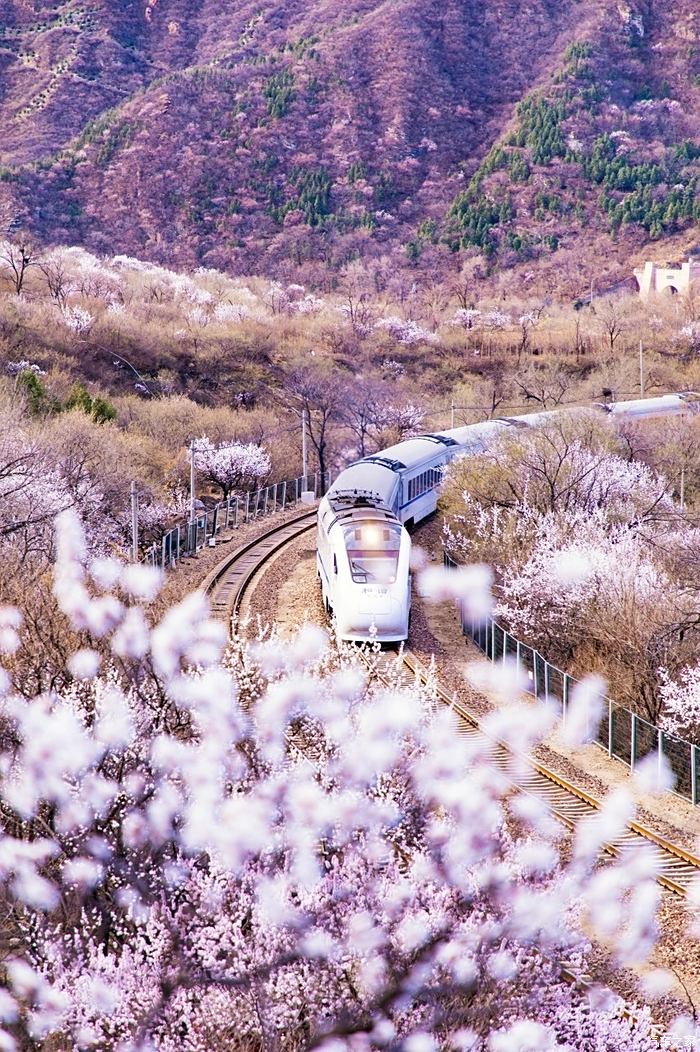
(372, 535)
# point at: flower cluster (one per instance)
(24, 366)
(489, 321)
(267, 847)
(405, 332)
(231, 465)
(79, 320)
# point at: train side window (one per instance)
(335, 564)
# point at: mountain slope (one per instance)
(270, 136)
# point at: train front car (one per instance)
(363, 554)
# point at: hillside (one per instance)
(555, 137)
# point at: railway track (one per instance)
(570, 804)
(567, 801)
(228, 582)
(226, 586)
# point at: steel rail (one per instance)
(226, 585)
(228, 581)
(567, 801)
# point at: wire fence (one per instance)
(189, 537)
(621, 733)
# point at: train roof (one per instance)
(363, 477)
(416, 451)
(471, 437)
(662, 405)
(412, 452)
(377, 475)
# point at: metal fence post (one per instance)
(535, 655)
(247, 506)
(660, 743)
(267, 491)
(284, 495)
(610, 728)
(633, 742)
(694, 773)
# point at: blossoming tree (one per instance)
(263, 847)
(231, 465)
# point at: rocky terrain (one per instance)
(557, 137)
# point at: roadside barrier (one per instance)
(621, 733)
(189, 537)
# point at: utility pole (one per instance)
(452, 413)
(134, 524)
(193, 517)
(641, 369)
(304, 452)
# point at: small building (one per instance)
(670, 280)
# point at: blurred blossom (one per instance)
(653, 774)
(506, 679)
(469, 584)
(571, 566)
(658, 983)
(84, 664)
(263, 834)
(141, 582)
(523, 1036)
(82, 872)
(584, 711)
(105, 572)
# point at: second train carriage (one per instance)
(363, 546)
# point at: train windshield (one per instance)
(373, 552)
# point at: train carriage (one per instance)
(363, 546)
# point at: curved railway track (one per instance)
(228, 582)
(226, 586)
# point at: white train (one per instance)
(363, 544)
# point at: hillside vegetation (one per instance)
(557, 138)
